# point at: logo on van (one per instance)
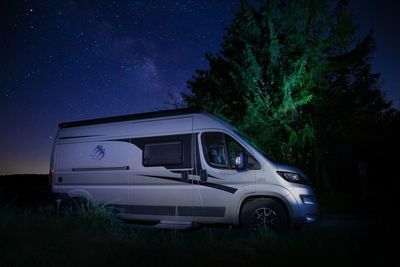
(98, 153)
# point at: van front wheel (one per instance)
(265, 215)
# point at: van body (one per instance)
(177, 165)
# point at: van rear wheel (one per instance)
(265, 215)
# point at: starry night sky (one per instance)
(71, 60)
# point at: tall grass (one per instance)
(92, 236)
(92, 215)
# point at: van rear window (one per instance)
(163, 153)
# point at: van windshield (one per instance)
(251, 143)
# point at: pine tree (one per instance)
(282, 71)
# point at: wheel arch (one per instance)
(79, 193)
(275, 197)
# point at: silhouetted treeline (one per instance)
(24, 190)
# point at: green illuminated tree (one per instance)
(289, 74)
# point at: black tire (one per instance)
(265, 215)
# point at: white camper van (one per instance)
(177, 167)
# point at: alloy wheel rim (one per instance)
(264, 218)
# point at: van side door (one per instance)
(219, 182)
(160, 186)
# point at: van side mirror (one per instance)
(241, 161)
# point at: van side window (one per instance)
(169, 151)
(220, 151)
(165, 153)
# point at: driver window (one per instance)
(220, 151)
(214, 149)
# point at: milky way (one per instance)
(72, 60)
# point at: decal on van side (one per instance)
(225, 188)
(98, 152)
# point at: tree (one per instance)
(283, 69)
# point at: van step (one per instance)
(179, 225)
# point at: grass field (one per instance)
(35, 236)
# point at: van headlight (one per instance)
(294, 177)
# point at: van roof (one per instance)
(130, 117)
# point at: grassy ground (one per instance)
(95, 238)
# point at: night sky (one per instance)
(73, 60)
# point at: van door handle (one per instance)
(203, 175)
(185, 176)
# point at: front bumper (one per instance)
(307, 205)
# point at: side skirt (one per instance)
(172, 210)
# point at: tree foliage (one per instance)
(292, 75)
